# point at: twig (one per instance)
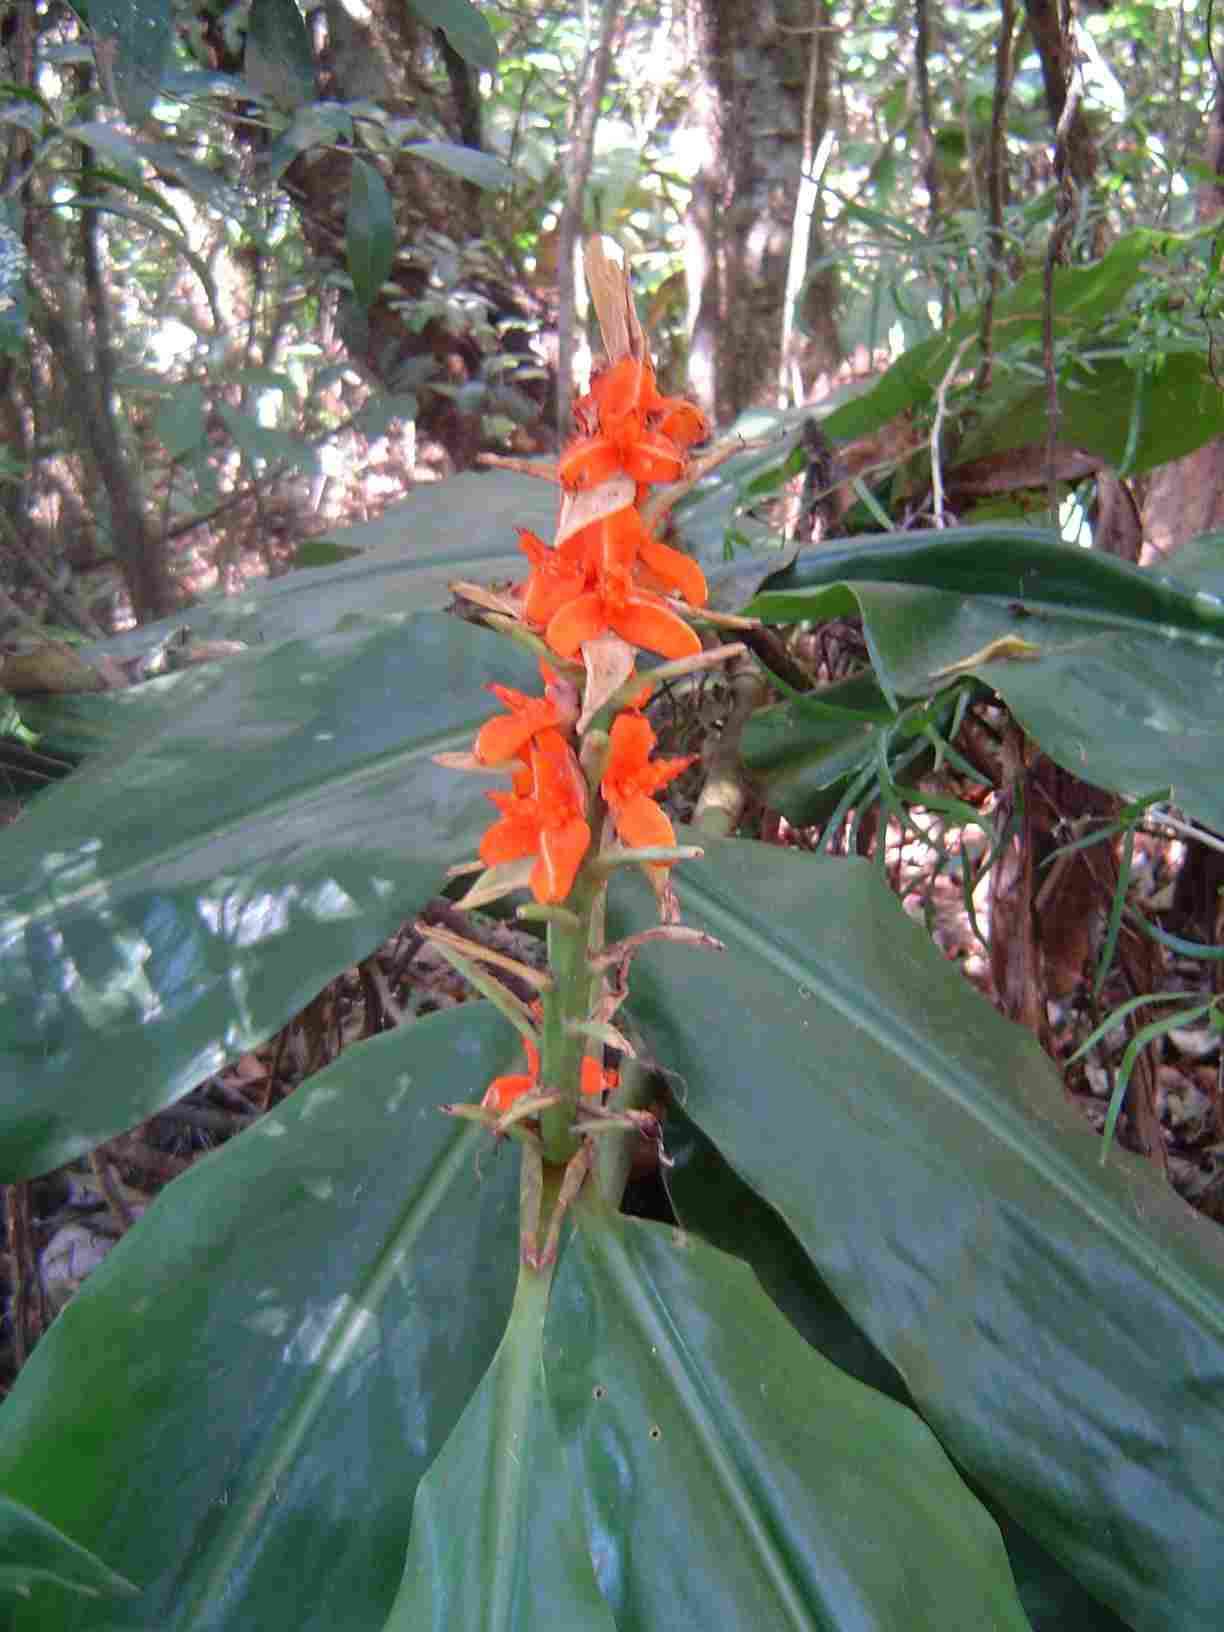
(941, 410)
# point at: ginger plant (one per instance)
(585, 781)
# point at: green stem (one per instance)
(561, 1046)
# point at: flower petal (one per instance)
(516, 835)
(627, 387)
(587, 462)
(594, 1079)
(676, 570)
(641, 823)
(680, 421)
(560, 787)
(507, 735)
(580, 619)
(561, 854)
(503, 1091)
(630, 744)
(656, 628)
(653, 458)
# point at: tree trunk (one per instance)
(748, 110)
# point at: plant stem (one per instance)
(561, 1047)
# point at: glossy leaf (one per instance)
(31, 1550)
(463, 528)
(711, 1199)
(464, 26)
(497, 1536)
(1116, 672)
(468, 163)
(370, 232)
(132, 43)
(732, 1475)
(1060, 1325)
(260, 826)
(237, 1406)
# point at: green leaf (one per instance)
(31, 1550)
(801, 752)
(468, 163)
(370, 232)
(278, 60)
(333, 1283)
(466, 29)
(463, 528)
(1179, 407)
(179, 421)
(710, 1198)
(1084, 298)
(258, 827)
(1118, 672)
(132, 47)
(1060, 1325)
(733, 1476)
(497, 1539)
(256, 441)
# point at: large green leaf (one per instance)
(711, 1198)
(1109, 407)
(31, 1550)
(1114, 671)
(497, 1535)
(260, 826)
(237, 1406)
(461, 528)
(733, 1477)
(1060, 1325)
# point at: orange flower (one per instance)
(632, 613)
(506, 735)
(587, 462)
(628, 426)
(610, 549)
(545, 815)
(555, 579)
(630, 782)
(503, 1091)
